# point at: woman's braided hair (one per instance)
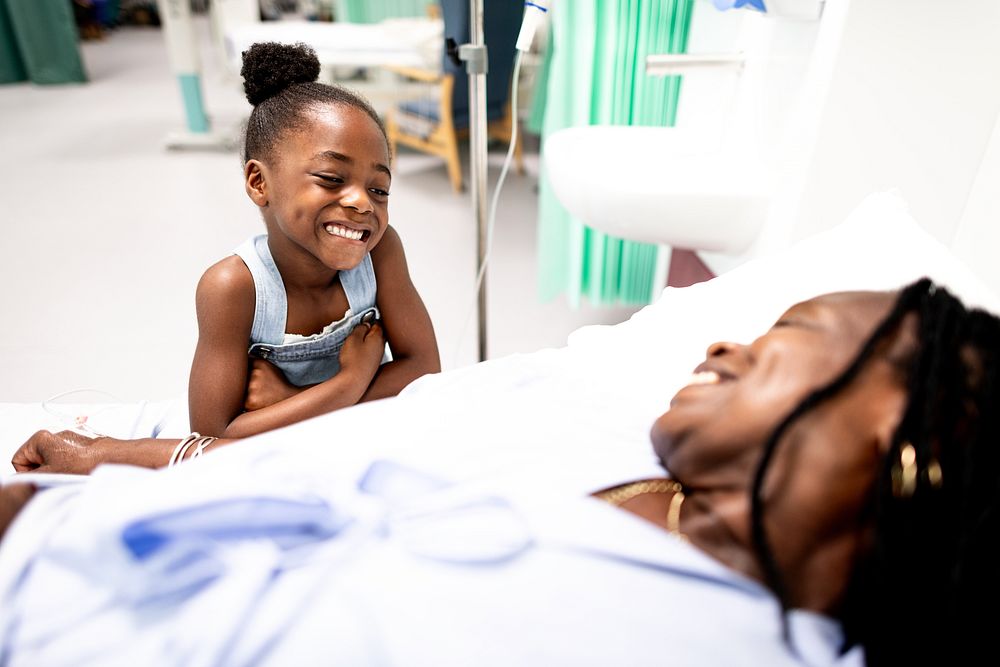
(280, 82)
(922, 594)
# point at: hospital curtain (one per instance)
(373, 11)
(594, 74)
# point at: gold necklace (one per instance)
(619, 495)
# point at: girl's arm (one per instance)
(359, 359)
(225, 302)
(407, 324)
(219, 374)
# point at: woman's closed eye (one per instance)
(797, 321)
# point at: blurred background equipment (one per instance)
(434, 122)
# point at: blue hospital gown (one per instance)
(267, 565)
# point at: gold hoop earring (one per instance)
(933, 473)
(904, 473)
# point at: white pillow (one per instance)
(878, 247)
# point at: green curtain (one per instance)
(45, 36)
(373, 11)
(11, 63)
(594, 74)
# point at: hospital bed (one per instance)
(401, 42)
(347, 49)
(491, 439)
(630, 370)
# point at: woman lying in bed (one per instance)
(842, 466)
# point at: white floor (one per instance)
(105, 233)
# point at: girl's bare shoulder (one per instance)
(226, 292)
(228, 277)
(389, 250)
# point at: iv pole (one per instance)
(476, 63)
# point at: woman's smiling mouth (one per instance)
(708, 373)
(704, 377)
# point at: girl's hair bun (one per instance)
(269, 68)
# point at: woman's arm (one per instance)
(407, 324)
(70, 452)
(225, 303)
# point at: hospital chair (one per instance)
(357, 51)
(809, 108)
(435, 122)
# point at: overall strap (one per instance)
(359, 285)
(271, 308)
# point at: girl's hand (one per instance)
(363, 350)
(266, 386)
(66, 451)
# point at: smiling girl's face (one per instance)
(324, 190)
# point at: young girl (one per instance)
(295, 323)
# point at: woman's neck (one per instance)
(718, 522)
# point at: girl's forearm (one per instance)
(392, 377)
(342, 390)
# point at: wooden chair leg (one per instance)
(392, 134)
(454, 164)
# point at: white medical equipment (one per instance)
(895, 94)
(178, 31)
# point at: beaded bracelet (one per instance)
(198, 441)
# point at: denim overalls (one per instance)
(316, 358)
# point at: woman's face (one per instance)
(713, 434)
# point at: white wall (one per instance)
(912, 102)
(977, 240)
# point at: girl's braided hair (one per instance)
(921, 595)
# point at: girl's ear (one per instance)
(253, 175)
